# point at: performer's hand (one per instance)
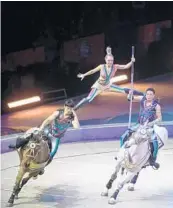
(130, 92)
(81, 76)
(133, 59)
(130, 95)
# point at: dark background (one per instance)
(23, 23)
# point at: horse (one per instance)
(133, 156)
(34, 156)
(162, 137)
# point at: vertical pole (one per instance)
(132, 87)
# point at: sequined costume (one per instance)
(53, 133)
(147, 113)
(56, 130)
(104, 83)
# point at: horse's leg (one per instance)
(24, 181)
(122, 170)
(120, 185)
(112, 179)
(19, 177)
(133, 182)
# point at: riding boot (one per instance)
(20, 142)
(152, 159)
(153, 162)
(125, 137)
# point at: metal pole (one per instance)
(132, 87)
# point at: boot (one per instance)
(135, 92)
(153, 162)
(125, 137)
(20, 142)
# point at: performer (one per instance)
(54, 127)
(107, 72)
(150, 111)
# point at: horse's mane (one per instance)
(35, 137)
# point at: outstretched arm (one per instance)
(49, 120)
(98, 68)
(126, 66)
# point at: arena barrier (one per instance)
(94, 133)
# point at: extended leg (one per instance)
(94, 92)
(120, 185)
(133, 182)
(55, 147)
(24, 181)
(154, 150)
(112, 179)
(16, 188)
(117, 88)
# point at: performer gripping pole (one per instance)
(104, 83)
(132, 87)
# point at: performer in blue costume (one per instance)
(150, 111)
(54, 127)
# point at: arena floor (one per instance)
(79, 172)
(78, 175)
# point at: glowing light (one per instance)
(119, 78)
(24, 102)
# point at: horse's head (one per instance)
(143, 132)
(36, 137)
(37, 149)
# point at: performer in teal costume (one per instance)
(106, 79)
(54, 128)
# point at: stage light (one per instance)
(24, 102)
(119, 78)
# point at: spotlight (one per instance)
(119, 78)
(24, 102)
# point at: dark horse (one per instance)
(34, 156)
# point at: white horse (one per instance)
(162, 136)
(134, 154)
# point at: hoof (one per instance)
(41, 172)
(34, 177)
(104, 194)
(131, 187)
(157, 166)
(16, 197)
(9, 204)
(112, 201)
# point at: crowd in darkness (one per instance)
(75, 20)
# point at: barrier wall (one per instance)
(86, 134)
